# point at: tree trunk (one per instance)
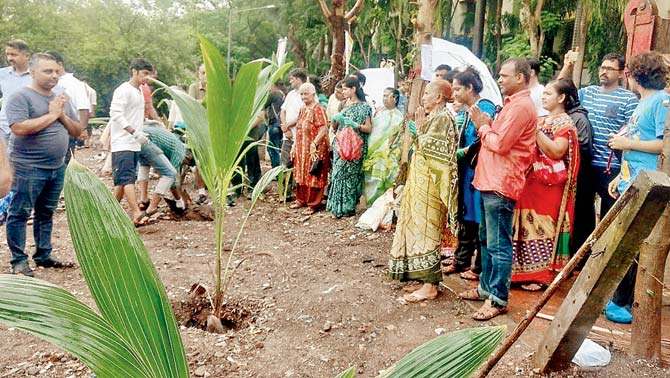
(498, 32)
(478, 37)
(533, 24)
(297, 49)
(579, 42)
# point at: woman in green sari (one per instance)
(430, 197)
(382, 163)
(346, 178)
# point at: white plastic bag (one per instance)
(591, 354)
(372, 217)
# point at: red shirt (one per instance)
(146, 93)
(507, 147)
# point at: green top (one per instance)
(169, 143)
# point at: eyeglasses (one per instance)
(608, 69)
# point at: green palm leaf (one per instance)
(123, 281)
(53, 314)
(454, 355)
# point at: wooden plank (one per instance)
(611, 257)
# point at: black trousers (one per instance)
(625, 292)
(468, 243)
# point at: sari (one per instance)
(429, 202)
(346, 179)
(382, 163)
(309, 189)
(544, 215)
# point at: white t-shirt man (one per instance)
(126, 109)
(291, 106)
(75, 90)
(536, 95)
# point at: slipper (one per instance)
(296, 205)
(469, 275)
(308, 211)
(143, 220)
(471, 295)
(143, 205)
(450, 269)
(489, 311)
(412, 288)
(447, 260)
(416, 298)
(534, 287)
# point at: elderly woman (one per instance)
(346, 181)
(430, 197)
(544, 214)
(381, 164)
(310, 152)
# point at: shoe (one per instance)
(23, 268)
(618, 314)
(201, 199)
(230, 200)
(53, 263)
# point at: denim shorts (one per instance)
(124, 167)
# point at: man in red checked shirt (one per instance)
(506, 150)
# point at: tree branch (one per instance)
(324, 9)
(355, 11)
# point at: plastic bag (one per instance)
(591, 354)
(349, 144)
(387, 221)
(373, 217)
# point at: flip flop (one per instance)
(471, 295)
(534, 287)
(469, 275)
(450, 269)
(416, 298)
(143, 205)
(412, 288)
(308, 211)
(143, 220)
(489, 311)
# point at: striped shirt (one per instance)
(608, 113)
(169, 143)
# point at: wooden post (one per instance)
(478, 35)
(611, 257)
(646, 332)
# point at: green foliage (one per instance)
(606, 32)
(136, 334)
(216, 134)
(454, 355)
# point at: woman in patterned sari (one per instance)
(430, 197)
(544, 215)
(381, 164)
(346, 179)
(311, 145)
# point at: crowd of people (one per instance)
(509, 191)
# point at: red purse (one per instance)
(548, 171)
(349, 144)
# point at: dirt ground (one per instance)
(321, 305)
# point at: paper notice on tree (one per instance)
(427, 62)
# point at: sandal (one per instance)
(143, 205)
(143, 220)
(447, 260)
(308, 211)
(416, 298)
(534, 287)
(489, 311)
(296, 205)
(469, 275)
(471, 295)
(450, 269)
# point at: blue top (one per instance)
(471, 196)
(608, 112)
(647, 123)
(10, 82)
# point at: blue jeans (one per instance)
(37, 189)
(495, 233)
(152, 156)
(274, 147)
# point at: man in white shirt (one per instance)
(13, 78)
(126, 114)
(289, 113)
(93, 100)
(75, 90)
(536, 89)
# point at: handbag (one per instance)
(316, 168)
(349, 144)
(548, 171)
